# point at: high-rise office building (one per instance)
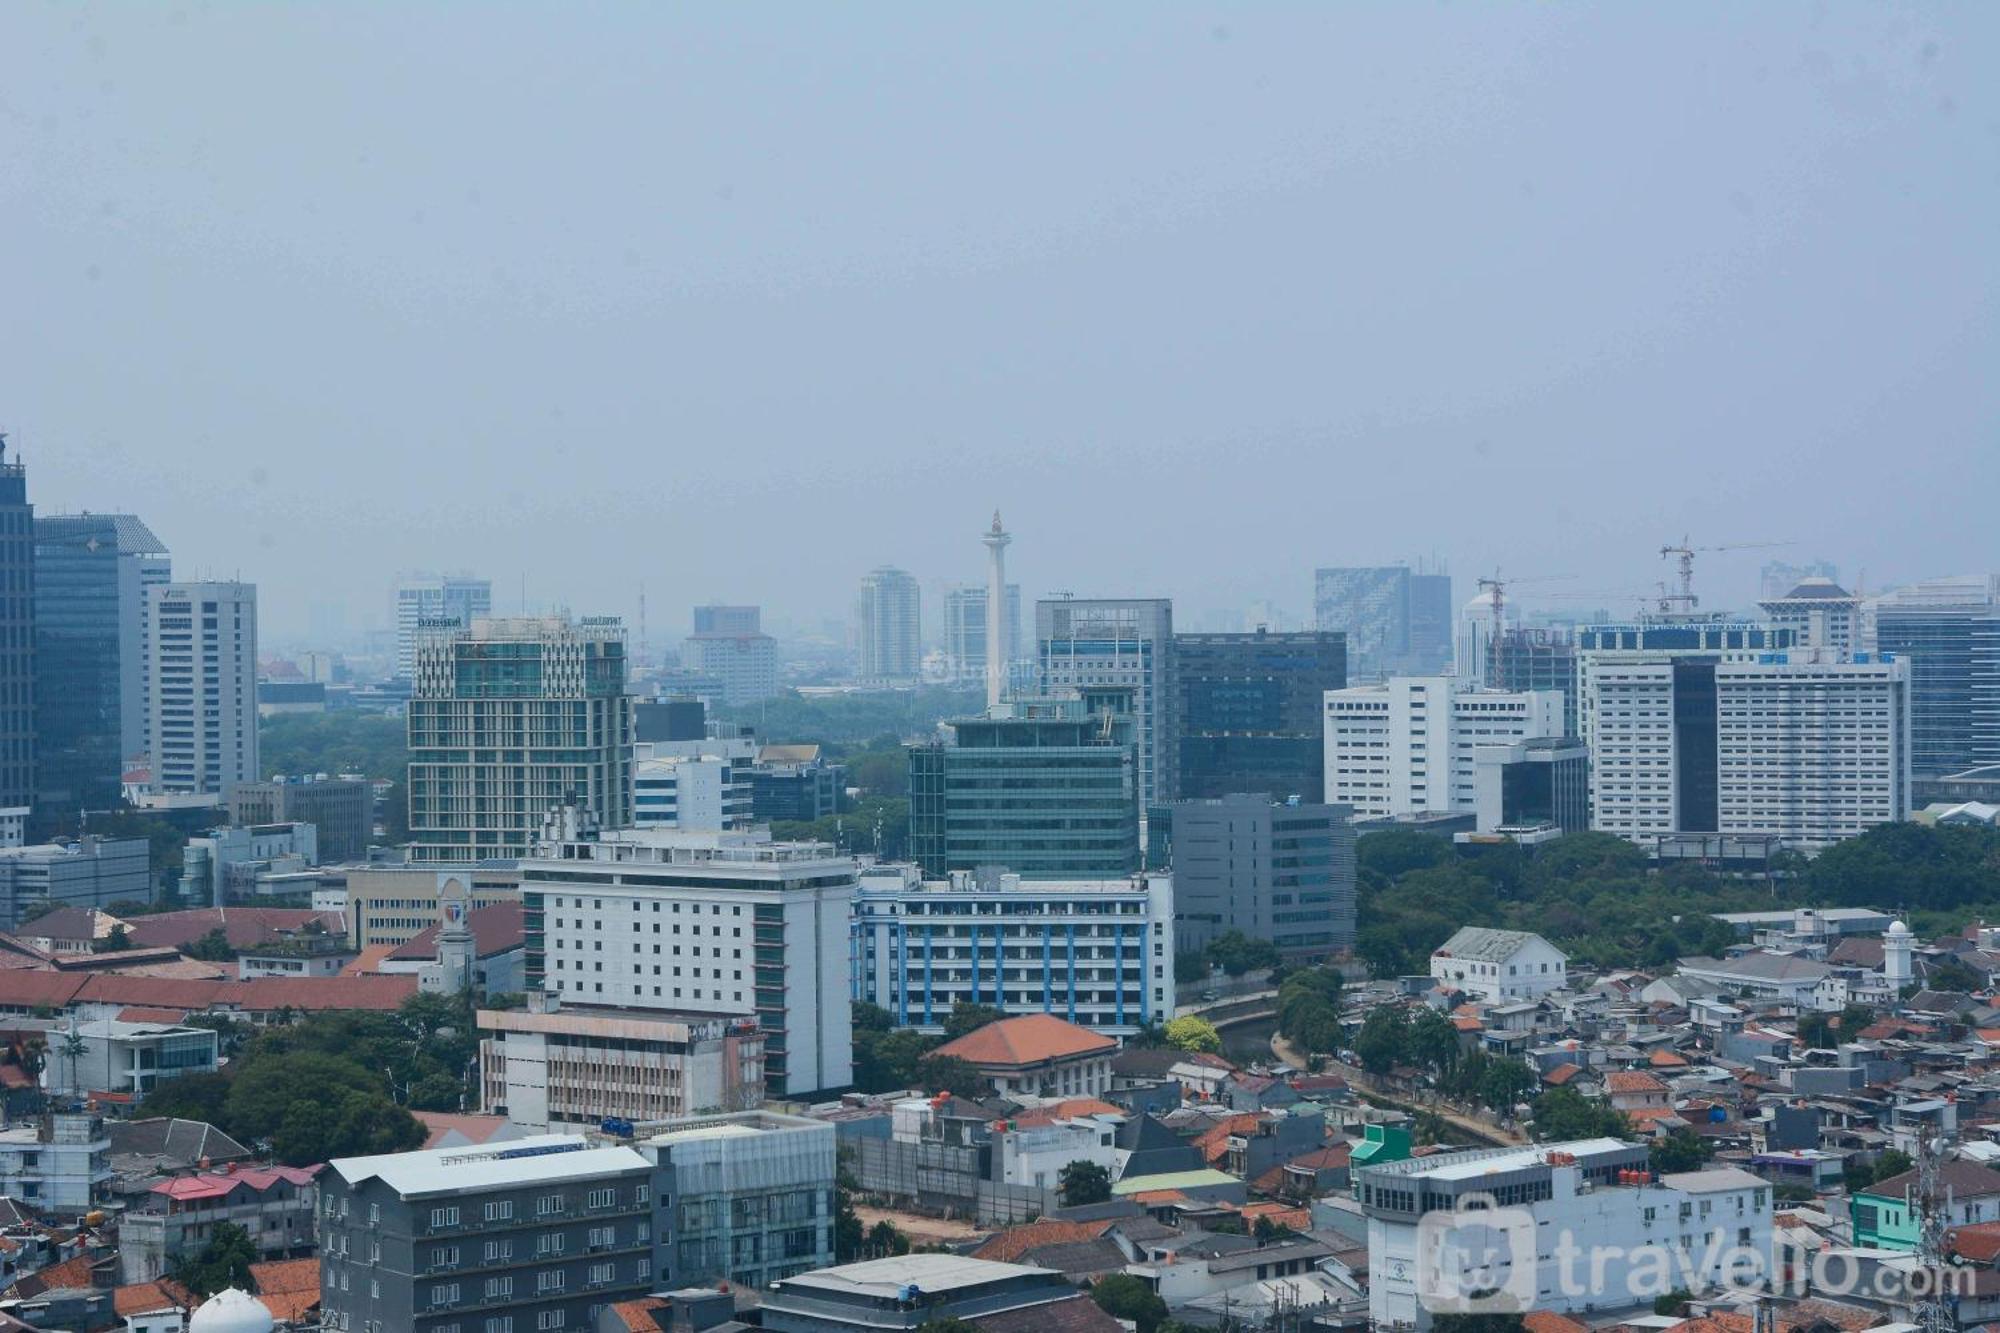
(1819, 613)
(729, 645)
(1538, 659)
(1274, 870)
(428, 603)
(201, 644)
(717, 618)
(965, 631)
(1397, 621)
(1251, 713)
(712, 923)
(1045, 788)
(889, 625)
(17, 641)
(91, 576)
(1081, 642)
(509, 719)
(1408, 745)
(1949, 632)
(1705, 725)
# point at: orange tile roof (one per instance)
(289, 1288)
(1548, 1321)
(1666, 1059)
(1283, 1214)
(1468, 1024)
(1979, 1242)
(1640, 1115)
(139, 1013)
(1008, 1246)
(1071, 1109)
(69, 1273)
(140, 1297)
(1632, 1080)
(477, 1128)
(1155, 1198)
(1561, 1074)
(1213, 1142)
(642, 1315)
(1030, 1039)
(368, 961)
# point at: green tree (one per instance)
(849, 1236)
(190, 1097)
(948, 1073)
(1679, 1150)
(1236, 953)
(885, 1242)
(1084, 1182)
(1398, 851)
(1505, 1082)
(1672, 1303)
(1384, 1035)
(965, 1018)
(223, 1261)
(1190, 1033)
(268, 1085)
(214, 947)
(118, 941)
(1123, 1296)
(1434, 1041)
(1190, 967)
(1562, 1114)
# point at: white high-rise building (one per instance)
(1703, 725)
(889, 625)
(1408, 744)
(201, 670)
(708, 924)
(510, 719)
(1086, 643)
(965, 631)
(1472, 647)
(431, 602)
(1820, 614)
(694, 784)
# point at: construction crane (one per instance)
(1685, 600)
(1495, 589)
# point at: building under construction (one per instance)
(1537, 659)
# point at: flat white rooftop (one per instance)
(487, 1166)
(929, 1273)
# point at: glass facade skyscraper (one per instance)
(1047, 789)
(1252, 713)
(1949, 631)
(91, 572)
(17, 636)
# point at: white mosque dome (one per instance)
(231, 1311)
(1897, 928)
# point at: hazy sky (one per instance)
(739, 301)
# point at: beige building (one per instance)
(548, 1067)
(391, 905)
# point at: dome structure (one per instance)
(231, 1311)
(1897, 928)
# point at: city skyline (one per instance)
(1549, 289)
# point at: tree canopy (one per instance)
(1084, 1182)
(1192, 1033)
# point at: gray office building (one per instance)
(341, 810)
(1251, 711)
(1276, 871)
(91, 573)
(1082, 642)
(527, 1234)
(1398, 622)
(1538, 659)
(1046, 788)
(1949, 631)
(750, 1195)
(89, 872)
(1540, 784)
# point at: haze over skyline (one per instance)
(741, 303)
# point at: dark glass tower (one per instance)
(1252, 711)
(91, 571)
(17, 636)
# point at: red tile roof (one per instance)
(1071, 1109)
(477, 1128)
(220, 1184)
(244, 927)
(1213, 1142)
(1548, 1321)
(1632, 1080)
(1666, 1059)
(141, 1297)
(1031, 1039)
(1008, 1246)
(496, 928)
(289, 1288)
(140, 1013)
(642, 1315)
(1561, 1074)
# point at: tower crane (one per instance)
(1685, 600)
